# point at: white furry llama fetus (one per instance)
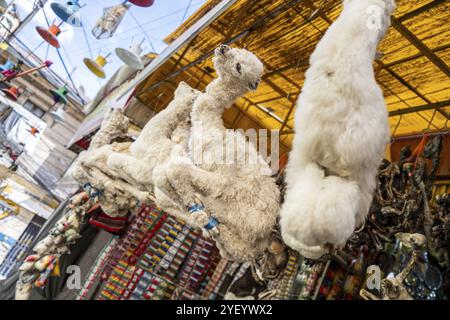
(117, 197)
(243, 203)
(341, 126)
(153, 146)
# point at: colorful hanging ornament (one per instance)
(108, 23)
(68, 12)
(7, 65)
(59, 115)
(96, 66)
(142, 3)
(12, 93)
(50, 35)
(34, 131)
(60, 95)
(11, 69)
(15, 71)
(132, 56)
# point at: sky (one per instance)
(158, 21)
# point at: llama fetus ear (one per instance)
(108, 113)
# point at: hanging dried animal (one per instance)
(341, 134)
(117, 197)
(236, 204)
(393, 288)
(108, 23)
(122, 172)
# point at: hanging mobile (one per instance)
(96, 66)
(142, 3)
(59, 97)
(131, 57)
(12, 93)
(50, 35)
(68, 12)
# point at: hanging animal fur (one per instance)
(341, 133)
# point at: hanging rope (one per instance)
(35, 49)
(186, 11)
(46, 52)
(431, 120)
(45, 14)
(87, 41)
(143, 31)
(395, 130)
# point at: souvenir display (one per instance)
(246, 157)
(37, 267)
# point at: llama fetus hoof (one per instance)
(198, 216)
(201, 218)
(212, 228)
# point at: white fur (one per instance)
(123, 171)
(341, 133)
(118, 197)
(155, 143)
(245, 202)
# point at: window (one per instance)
(34, 109)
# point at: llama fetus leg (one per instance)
(129, 169)
(118, 187)
(196, 217)
(189, 183)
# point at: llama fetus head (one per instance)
(114, 125)
(115, 119)
(376, 14)
(239, 68)
(184, 90)
(184, 98)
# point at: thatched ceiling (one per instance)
(412, 70)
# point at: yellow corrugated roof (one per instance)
(412, 71)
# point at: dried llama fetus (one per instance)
(341, 125)
(235, 203)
